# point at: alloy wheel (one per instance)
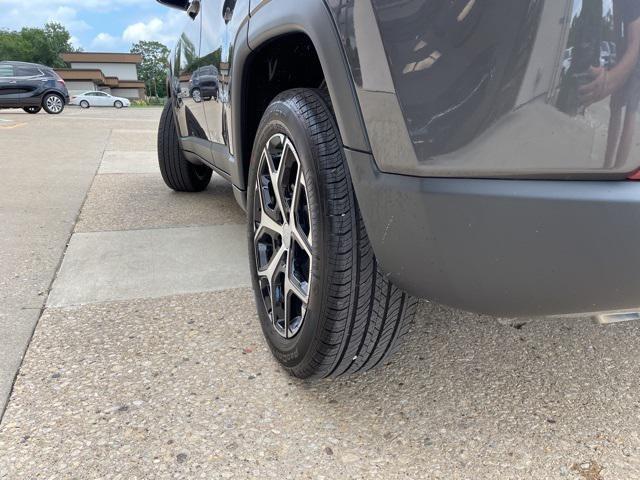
(54, 103)
(282, 236)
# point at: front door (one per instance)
(222, 21)
(102, 99)
(186, 66)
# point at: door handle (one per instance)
(194, 9)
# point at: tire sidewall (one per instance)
(295, 353)
(44, 103)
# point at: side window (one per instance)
(6, 71)
(27, 71)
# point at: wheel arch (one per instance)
(279, 21)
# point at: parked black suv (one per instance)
(388, 150)
(204, 84)
(31, 87)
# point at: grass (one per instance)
(149, 102)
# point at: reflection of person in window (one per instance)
(622, 82)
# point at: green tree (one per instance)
(37, 45)
(153, 70)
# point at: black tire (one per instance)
(355, 317)
(178, 173)
(32, 110)
(85, 104)
(53, 103)
(118, 104)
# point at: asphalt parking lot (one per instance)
(147, 360)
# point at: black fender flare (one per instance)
(274, 18)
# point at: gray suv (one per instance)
(390, 150)
(32, 87)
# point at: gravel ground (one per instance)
(122, 202)
(184, 387)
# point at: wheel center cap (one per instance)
(286, 234)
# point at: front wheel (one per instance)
(84, 104)
(118, 104)
(53, 103)
(32, 110)
(325, 307)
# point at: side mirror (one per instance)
(179, 4)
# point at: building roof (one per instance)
(101, 57)
(89, 74)
(130, 84)
(95, 75)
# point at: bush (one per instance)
(149, 102)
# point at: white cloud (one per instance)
(164, 30)
(75, 41)
(105, 41)
(144, 31)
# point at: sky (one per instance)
(98, 25)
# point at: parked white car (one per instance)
(99, 99)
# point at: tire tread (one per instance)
(366, 315)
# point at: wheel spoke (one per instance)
(287, 311)
(267, 223)
(275, 182)
(292, 286)
(294, 198)
(272, 267)
(272, 296)
(266, 218)
(302, 241)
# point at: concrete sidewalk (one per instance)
(44, 178)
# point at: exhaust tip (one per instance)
(621, 317)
